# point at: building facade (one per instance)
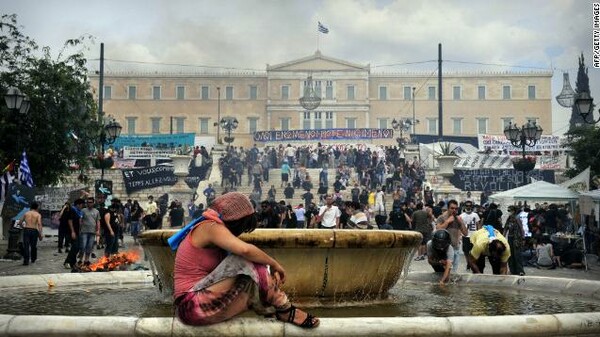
(353, 96)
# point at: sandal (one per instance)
(309, 323)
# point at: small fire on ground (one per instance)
(119, 261)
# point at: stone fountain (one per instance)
(320, 263)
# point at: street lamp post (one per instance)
(218, 114)
(414, 120)
(229, 124)
(402, 125)
(584, 105)
(16, 101)
(110, 132)
(527, 135)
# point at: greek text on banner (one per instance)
(325, 134)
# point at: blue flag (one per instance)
(321, 28)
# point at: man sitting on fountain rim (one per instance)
(489, 242)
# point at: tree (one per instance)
(582, 85)
(584, 142)
(61, 127)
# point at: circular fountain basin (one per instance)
(319, 263)
(566, 324)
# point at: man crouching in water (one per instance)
(440, 254)
(489, 242)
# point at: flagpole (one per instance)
(317, 38)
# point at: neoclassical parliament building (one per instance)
(352, 96)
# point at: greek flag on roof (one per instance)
(24, 172)
(322, 28)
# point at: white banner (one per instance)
(500, 143)
(579, 183)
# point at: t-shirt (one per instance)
(470, 220)
(360, 220)
(300, 213)
(480, 240)
(436, 255)
(524, 218)
(328, 215)
(90, 218)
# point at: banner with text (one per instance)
(148, 177)
(500, 143)
(326, 134)
(496, 180)
(156, 141)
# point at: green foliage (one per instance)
(61, 105)
(582, 84)
(447, 149)
(584, 142)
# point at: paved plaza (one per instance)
(51, 262)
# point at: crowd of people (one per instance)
(88, 224)
(220, 285)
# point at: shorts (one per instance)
(284, 177)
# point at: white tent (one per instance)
(589, 202)
(537, 191)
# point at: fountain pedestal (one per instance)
(319, 263)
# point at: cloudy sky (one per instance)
(248, 34)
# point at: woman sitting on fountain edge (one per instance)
(218, 276)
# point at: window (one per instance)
(252, 125)
(350, 92)
(481, 92)
(351, 123)
(107, 92)
(456, 93)
(328, 89)
(432, 126)
(506, 92)
(407, 93)
(306, 120)
(482, 125)
(382, 122)
(318, 123)
(229, 93)
(457, 126)
(329, 120)
(383, 93)
(318, 88)
(204, 126)
(180, 92)
(179, 124)
(155, 124)
(131, 125)
(285, 92)
(156, 92)
(531, 92)
(253, 91)
(132, 92)
(431, 93)
(204, 92)
(285, 124)
(505, 122)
